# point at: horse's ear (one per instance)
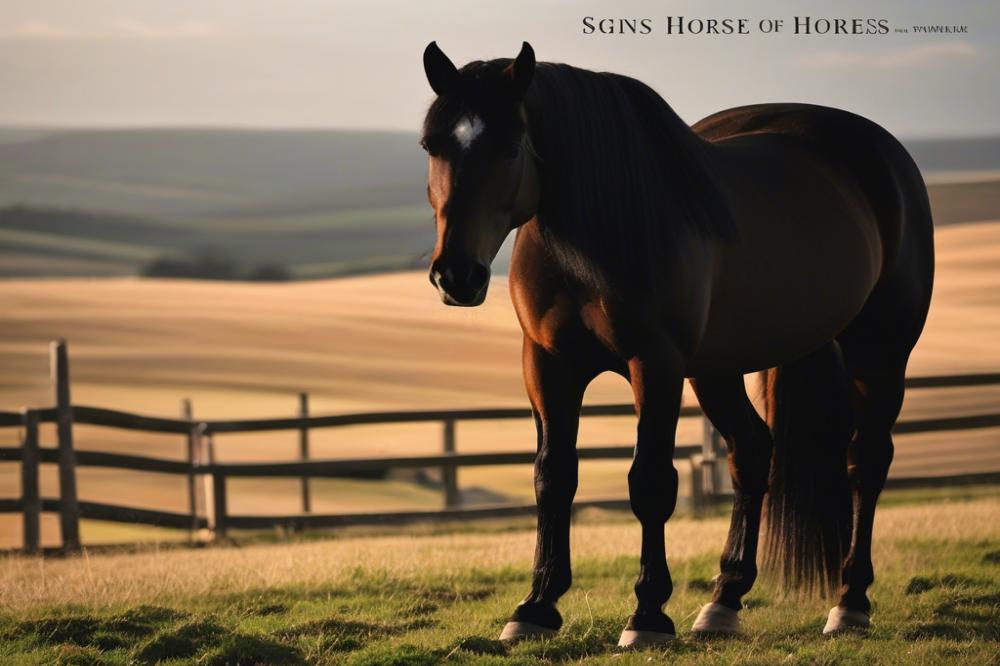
(441, 72)
(522, 69)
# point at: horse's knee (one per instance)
(869, 458)
(652, 490)
(556, 474)
(749, 455)
(750, 464)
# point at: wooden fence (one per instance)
(208, 515)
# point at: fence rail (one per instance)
(208, 515)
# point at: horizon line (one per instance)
(237, 127)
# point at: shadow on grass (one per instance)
(335, 634)
(965, 608)
(101, 632)
(399, 596)
(921, 584)
(180, 642)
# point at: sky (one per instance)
(357, 64)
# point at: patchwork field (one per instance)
(386, 342)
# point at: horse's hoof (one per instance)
(633, 639)
(844, 619)
(716, 620)
(515, 631)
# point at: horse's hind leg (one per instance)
(876, 348)
(556, 389)
(878, 397)
(725, 403)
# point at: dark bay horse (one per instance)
(788, 238)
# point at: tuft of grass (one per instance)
(402, 655)
(480, 645)
(340, 635)
(178, 642)
(73, 655)
(921, 584)
(992, 557)
(235, 649)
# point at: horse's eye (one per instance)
(512, 151)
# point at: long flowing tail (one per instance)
(809, 501)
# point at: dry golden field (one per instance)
(245, 350)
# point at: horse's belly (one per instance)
(789, 290)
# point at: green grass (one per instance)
(921, 617)
(937, 601)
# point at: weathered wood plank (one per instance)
(947, 423)
(304, 449)
(69, 515)
(449, 473)
(335, 467)
(114, 418)
(953, 381)
(402, 517)
(31, 501)
(130, 462)
(10, 418)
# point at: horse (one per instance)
(786, 239)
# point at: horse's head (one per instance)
(482, 180)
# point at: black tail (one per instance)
(809, 500)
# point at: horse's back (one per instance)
(876, 161)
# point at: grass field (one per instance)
(441, 596)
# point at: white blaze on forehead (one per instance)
(467, 129)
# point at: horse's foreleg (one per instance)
(879, 397)
(556, 392)
(652, 484)
(725, 403)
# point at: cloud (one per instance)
(122, 28)
(34, 30)
(913, 56)
(185, 30)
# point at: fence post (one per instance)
(219, 501)
(202, 458)
(31, 502)
(187, 413)
(449, 473)
(69, 511)
(709, 458)
(697, 486)
(304, 449)
(217, 521)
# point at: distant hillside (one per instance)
(944, 155)
(185, 172)
(317, 202)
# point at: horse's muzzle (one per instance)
(460, 283)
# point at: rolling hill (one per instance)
(317, 202)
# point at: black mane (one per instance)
(622, 176)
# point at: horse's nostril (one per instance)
(478, 275)
(460, 282)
